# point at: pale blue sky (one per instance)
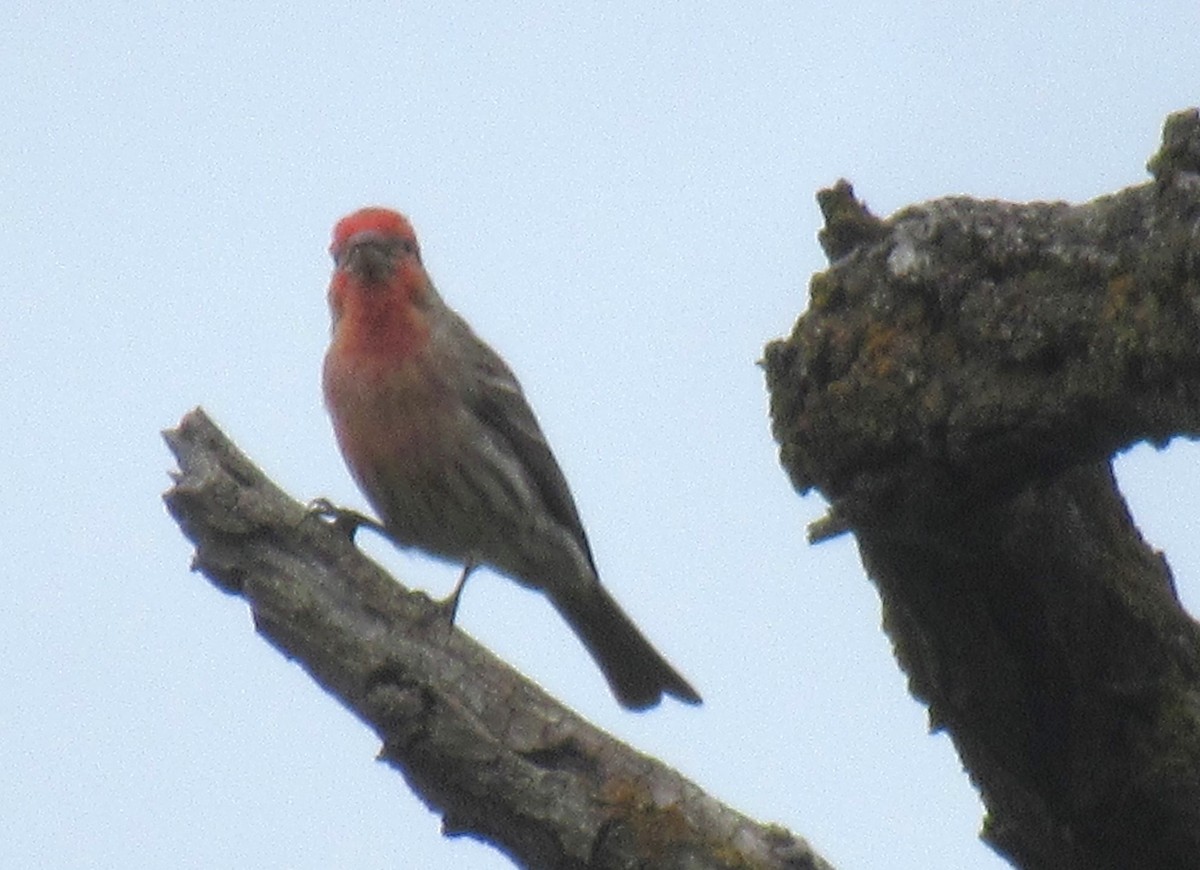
(620, 198)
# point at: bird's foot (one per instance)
(342, 519)
(449, 605)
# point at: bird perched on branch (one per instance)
(439, 437)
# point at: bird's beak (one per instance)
(368, 254)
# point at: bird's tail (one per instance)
(637, 674)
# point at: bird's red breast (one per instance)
(377, 378)
(380, 290)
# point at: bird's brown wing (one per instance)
(500, 405)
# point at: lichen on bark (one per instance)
(963, 375)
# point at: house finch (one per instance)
(439, 437)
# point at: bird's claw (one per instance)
(448, 606)
(342, 519)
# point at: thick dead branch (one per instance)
(962, 377)
(493, 753)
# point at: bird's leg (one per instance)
(449, 605)
(343, 519)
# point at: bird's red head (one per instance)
(380, 294)
(381, 226)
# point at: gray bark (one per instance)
(481, 745)
(957, 388)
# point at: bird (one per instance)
(437, 433)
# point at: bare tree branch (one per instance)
(962, 377)
(957, 388)
(476, 741)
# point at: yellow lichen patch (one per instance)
(1120, 288)
(823, 292)
(1137, 317)
(879, 349)
(841, 388)
(657, 830)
